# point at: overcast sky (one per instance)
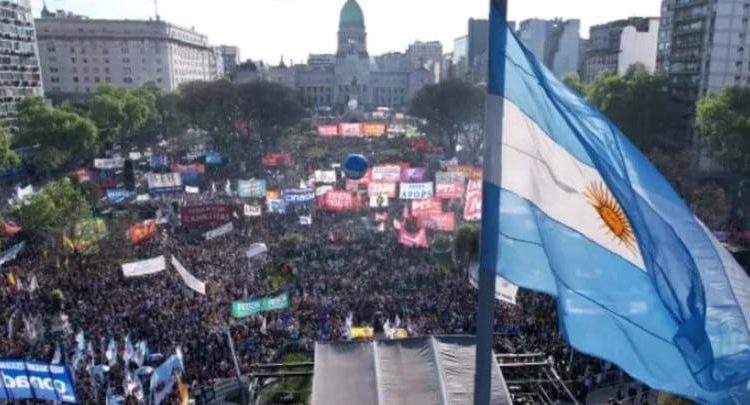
(267, 29)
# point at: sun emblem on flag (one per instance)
(611, 214)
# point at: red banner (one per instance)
(85, 175)
(430, 206)
(470, 172)
(443, 222)
(450, 190)
(142, 231)
(381, 217)
(199, 168)
(209, 214)
(328, 131)
(339, 200)
(473, 205)
(350, 130)
(418, 239)
(277, 159)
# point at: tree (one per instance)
(272, 108)
(8, 158)
(119, 113)
(55, 138)
(573, 81)
(454, 113)
(48, 212)
(640, 105)
(723, 122)
(213, 107)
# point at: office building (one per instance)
(421, 54)
(230, 59)
(618, 45)
(77, 53)
(554, 42)
(20, 73)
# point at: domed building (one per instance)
(332, 80)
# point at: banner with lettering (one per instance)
(364, 332)
(208, 214)
(144, 267)
(328, 131)
(252, 210)
(198, 168)
(339, 200)
(424, 207)
(298, 197)
(470, 172)
(373, 129)
(413, 174)
(164, 182)
(443, 222)
(214, 158)
(276, 205)
(450, 190)
(158, 161)
(408, 239)
(253, 188)
(415, 191)
(245, 308)
(117, 195)
(450, 177)
(142, 231)
(277, 159)
(350, 130)
(381, 187)
(325, 176)
(220, 231)
(85, 175)
(389, 173)
(22, 380)
(109, 164)
(473, 204)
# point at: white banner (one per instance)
(189, 279)
(143, 197)
(252, 210)
(220, 231)
(144, 267)
(415, 191)
(164, 181)
(256, 249)
(378, 201)
(504, 290)
(449, 177)
(109, 164)
(325, 176)
(305, 220)
(192, 190)
(386, 173)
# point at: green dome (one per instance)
(351, 16)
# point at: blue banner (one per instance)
(117, 195)
(298, 197)
(190, 178)
(252, 188)
(33, 380)
(214, 158)
(158, 161)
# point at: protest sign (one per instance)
(378, 201)
(158, 161)
(450, 190)
(504, 290)
(473, 204)
(86, 233)
(325, 176)
(144, 267)
(189, 279)
(339, 200)
(117, 195)
(252, 210)
(220, 231)
(298, 197)
(417, 239)
(276, 159)
(142, 231)
(252, 188)
(164, 182)
(256, 249)
(443, 222)
(380, 187)
(426, 207)
(245, 308)
(350, 129)
(328, 131)
(365, 332)
(192, 190)
(389, 173)
(276, 206)
(373, 129)
(21, 380)
(413, 174)
(415, 191)
(209, 214)
(470, 172)
(305, 220)
(109, 164)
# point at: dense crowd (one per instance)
(343, 264)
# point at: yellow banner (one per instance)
(362, 333)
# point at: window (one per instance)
(72, 50)
(106, 60)
(86, 79)
(53, 70)
(97, 79)
(127, 80)
(51, 49)
(125, 50)
(106, 70)
(125, 60)
(108, 79)
(75, 79)
(54, 79)
(106, 52)
(73, 60)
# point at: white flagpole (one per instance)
(490, 203)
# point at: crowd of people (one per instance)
(342, 265)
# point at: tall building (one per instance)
(20, 74)
(478, 39)
(350, 75)
(617, 45)
(78, 54)
(555, 42)
(230, 56)
(424, 53)
(664, 45)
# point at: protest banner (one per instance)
(144, 267)
(504, 290)
(373, 129)
(450, 177)
(322, 190)
(276, 206)
(364, 332)
(198, 168)
(381, 187)
(378, 201)
(256, 249)
(209, 214)
(389, 173)
(298, 197)
(117, 195)
(339, 200)
(253, 188)
(164, 182)
(417, 239)
(214, 158)
(12, 252)
(86, 233)
(416, 174)
(415, 191)
(142, 231)
(190, 280)
(158, 161)
(353, 130)
(85, 175)
(428, 206)
(220, 231)
(245, 308)
(26, 380)
(325, 176)
(276, 159)
(450, 190)
(305, 219)
(328, 131)
(473, 204)
(469, 172)
(192, 190)
(252, 210)
(109, 164)
(443, 222)
(381, 217)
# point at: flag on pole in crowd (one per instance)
(133, 386)
(9, 324)
(128, 352)
(33, 283)
(228, 188)
(572, 209)
(164, 377)
(113, 399)
(305, 219)
(141, 353)
(57, 356)
(349, 325)
(80, 340)
(397, 322)
(263, 326)
(111, 353)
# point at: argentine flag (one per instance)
(572, 209)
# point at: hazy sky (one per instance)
(267, 29)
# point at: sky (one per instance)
(269, 29)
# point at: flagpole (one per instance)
(490, 201)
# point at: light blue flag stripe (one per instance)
(692, 296)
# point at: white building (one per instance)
(618, 45)
(554, 42)
(421, 54)
(230, 56)
(78, 54)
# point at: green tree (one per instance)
(8, 158)
(120, 113)
(573, 81)
(640, 105)
(46, 213)
(55, 138)
(272, 108)
(454, 113)
(213, 107)
(723, 122)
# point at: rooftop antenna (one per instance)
(156, 9)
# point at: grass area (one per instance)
(291, 390)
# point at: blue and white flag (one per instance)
(141, 353)
(572, 209)
(163, 378)
(111, 353)
(128, 352)
(80, 340)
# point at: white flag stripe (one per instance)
(560, 181)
